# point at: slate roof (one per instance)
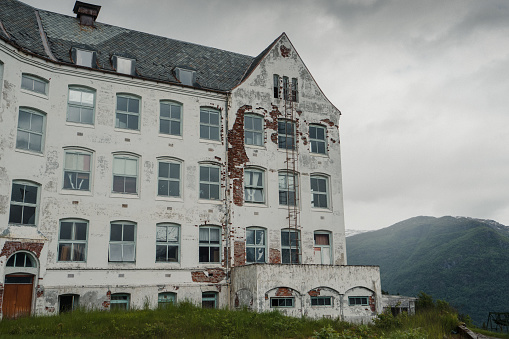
(156, 57)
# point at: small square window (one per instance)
(124, 65)
(164, 299)
(84, 58)
(120, 301)
(358, 301)
(282, 302)
(209, 300)
(321, 301)
(186, 76)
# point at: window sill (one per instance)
(213, 202)
(75, 192)
(79, 124)
(287, 207)
(256, 147)
(253, 204)
(169, 199)
(171, 136)
(35, 94)
(324, 210)
(207, 141)
(125, 130)
(320, 155)
(39, 154)
(124, 195)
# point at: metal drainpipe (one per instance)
(227, 203)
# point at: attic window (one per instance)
(186, 76)
(83, 57)
(124, 65)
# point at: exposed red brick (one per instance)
(274, 256)
(314, 293)
(372, 304)
(11, 247)
(215, 275)
(304, 140)
(239, 253)
(283, 292)
(40, 291)
(285, 51)
(106, 303)
(328, 122)
(237, 156)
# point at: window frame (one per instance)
(319, 194)
(168, 243)
(24, 204)
(29, 131)
(13, 258)
(316, 300)
(279, 299)
(329, 246)
(75, 302)
(355, 301)
(122, 242)
(115, 301)
(131, 65)
(253, 186)
(276, 79)
(286, 190)
(33, 79)
(210, 126)
(209, 245)
(170, 120)
(124, 156)
(72, 242)
(253, 131)
(169, 179)
(294, 92)
(255, 246)
(209, 298)
(78, 152)
(289, 247)
(129, 114)
(209, 183)
(283, 136)
(286, 88)
(185, 76)
(80, 105)
(163, 301)
(316, 141)
(76, 55)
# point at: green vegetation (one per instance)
(187, 321)
(462, 260)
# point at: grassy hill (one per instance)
(464, 261)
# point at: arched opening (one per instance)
(20, 273)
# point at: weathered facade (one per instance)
(136, 168)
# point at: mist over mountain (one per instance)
(464, 261)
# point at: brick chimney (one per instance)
(87, 13)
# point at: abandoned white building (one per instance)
(136, 168)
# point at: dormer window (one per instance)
(124, 65)
(83, 57)
(185, 76)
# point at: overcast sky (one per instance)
(423, 87)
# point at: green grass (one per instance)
(187, 321)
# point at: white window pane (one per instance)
(250, 237)
(214, 235)
(74, 96)
(86, 162)
(115, 252)
(204, 235)
(124, 65)
(282, 181)
(84, 58)
(118, 166)
(128, 252)
(173, 233)
(131, 167)
(87, 98)
(161, 233)
(70, 161)
(260, 237)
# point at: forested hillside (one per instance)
(464, 261)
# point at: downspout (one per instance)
(227, 202)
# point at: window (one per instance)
(164, 299)
(125, 174)
(282, 302)
(30, 130)
(276, 86)
(322, 248)
(253, 130)
(72, 240)
(169, 179)
(321, 301)
(286, 134)
(77, 170)
(255, 245)
(254, 185)
(80, 106)
(285, 88)
(34, 84)
(287, 189)
(209, 124)
(295, 90)
(209, 300)
(128, 112)
(317, 138)
(319, 192)
(185, 76)
(122, 241)
(124, 65)
(119, 301)
(167, 243)
(24, 199)
(84, 58)
(68, 302)
(354, 301)
(290, 245)
(170, 118)
(21, 259)
(209, 182)
(210, 244)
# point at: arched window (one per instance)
(169, 178)
(210, 244)
(210, 123)
(253, 129)
(286, 134)
(122, 241)
(256, 245)
(210, 181)
(24, 203)
(288, 188)
(77, 169)
(318, 139)
(34, 84)
(21, 259)
(120, 301)
(290, 246)
(31, 128)
(319, 191)
(128, 112)
(167, 242)
(125, 173)
(170, 119)
(254, 185)
(164, 299)
(81, 105)
(72, 240)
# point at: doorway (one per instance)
(17, 299)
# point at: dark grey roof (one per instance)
(156, 57)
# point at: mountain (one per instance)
(464, 261)
(349, 233)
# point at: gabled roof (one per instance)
(156, 57)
